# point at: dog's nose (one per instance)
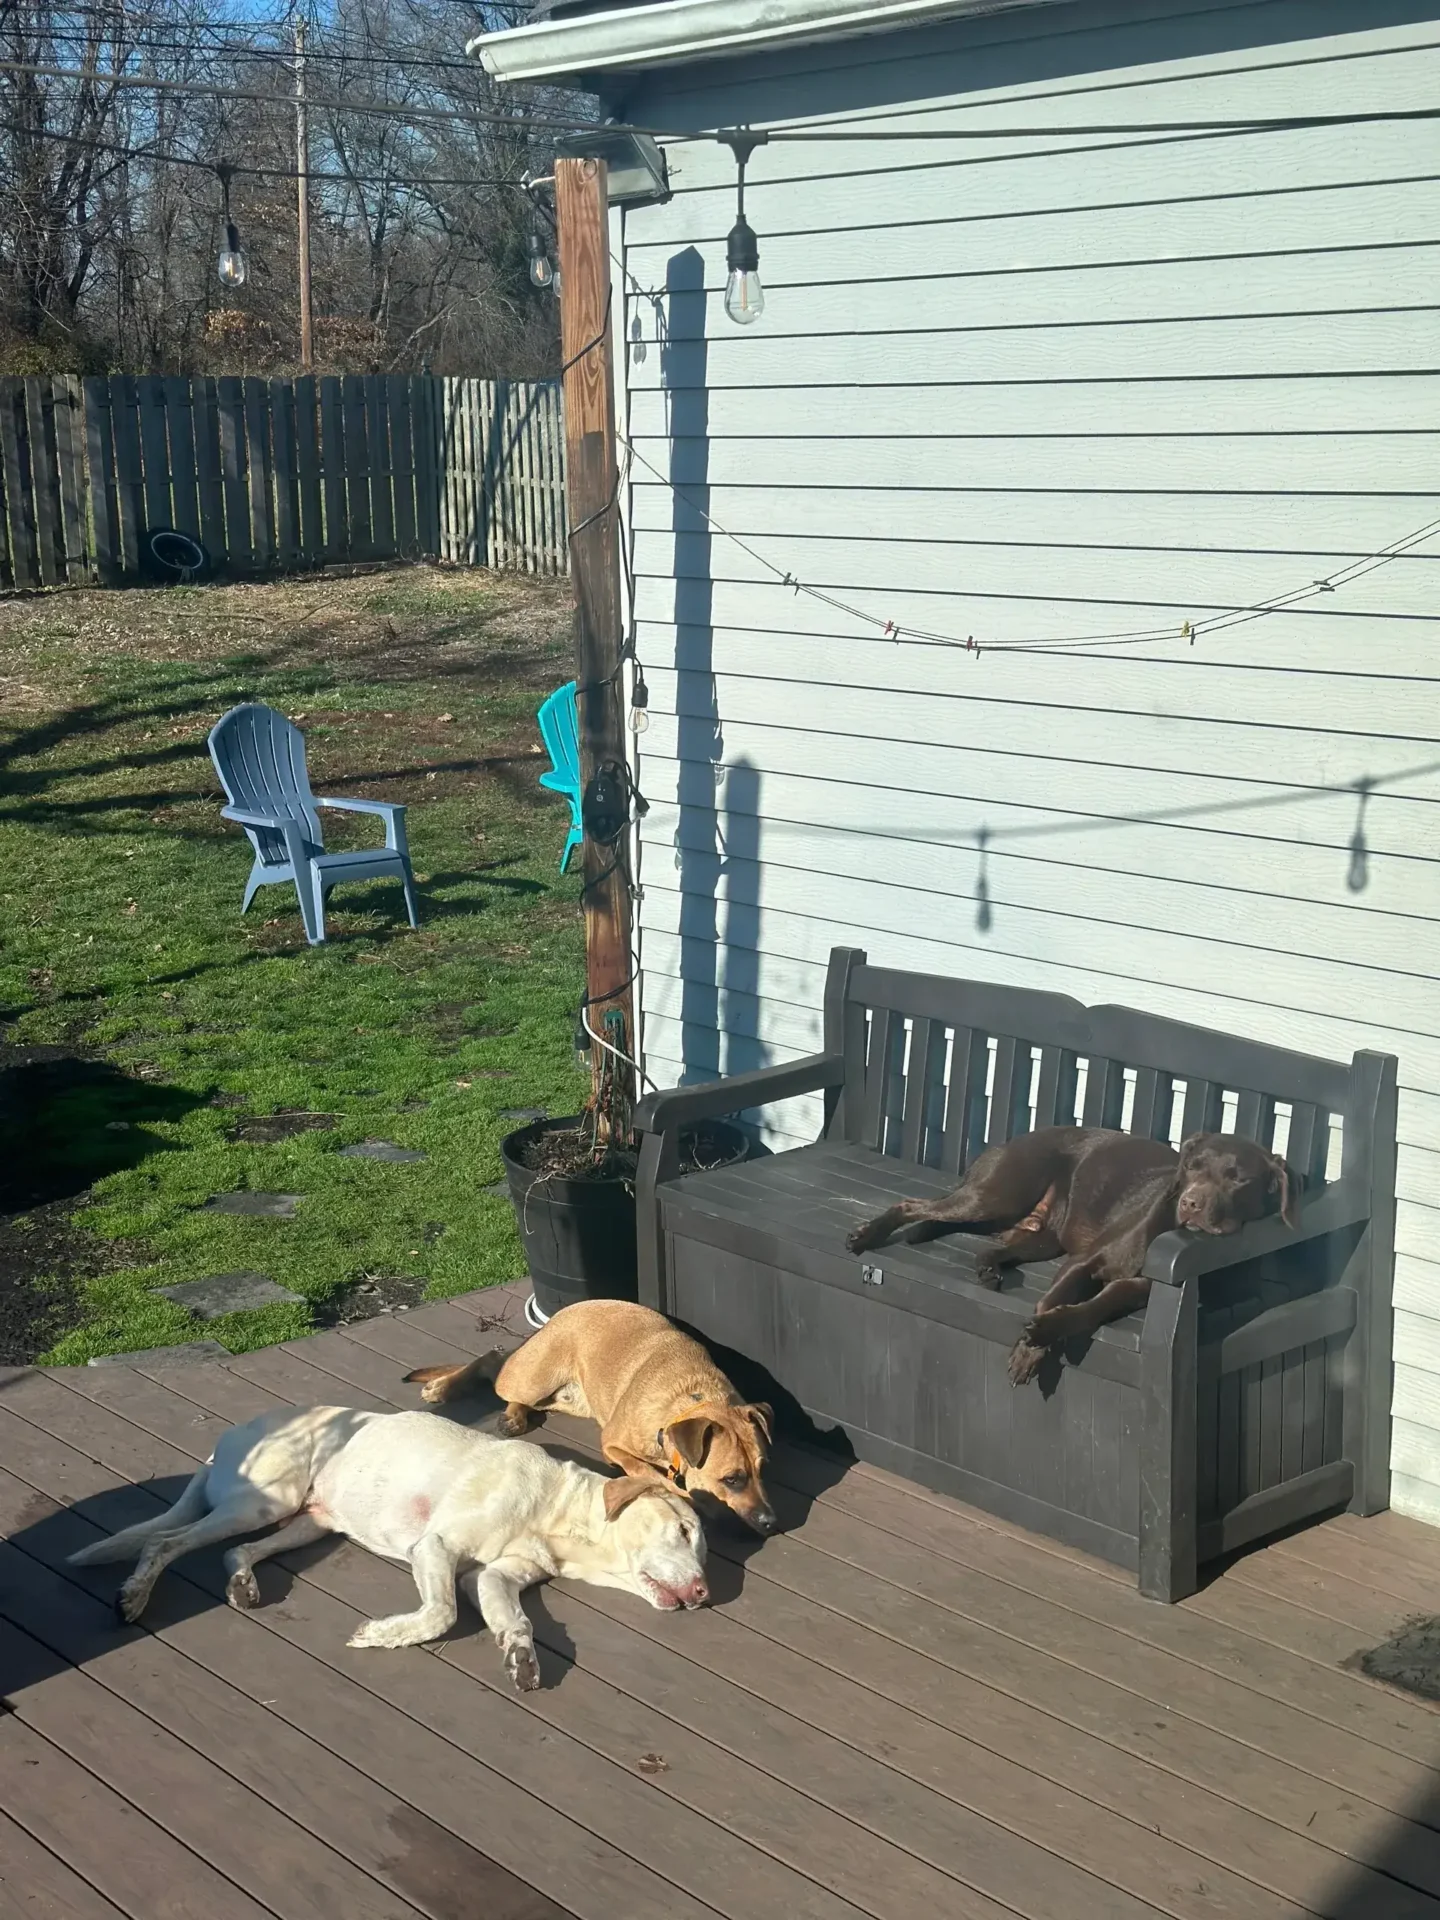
(763, 1520)
(696, 1594)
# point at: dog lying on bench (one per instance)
(416, 1487)
(1101, 1197)
(665, 1409)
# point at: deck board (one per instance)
(900, 1705)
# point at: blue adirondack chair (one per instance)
(260, 758)
(559, 722)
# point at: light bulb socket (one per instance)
(232, 238)
(742, 249)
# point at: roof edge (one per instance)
(677, 31)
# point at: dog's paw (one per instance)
(378, 1633)
(1025, 1362)
(242, 1589)
(131, 1601)
(513, 1422)
(522, 1668)
(433, 1393)
(861, 1240)
(989, 1275)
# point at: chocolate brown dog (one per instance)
(1100, 1197)
(666, 1411)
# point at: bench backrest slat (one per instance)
(938, 1069)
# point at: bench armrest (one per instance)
(392, 812)
(683, 1106)
(1174, 1257)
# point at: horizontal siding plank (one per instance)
(690, 619)
(1030, 782)
(1326, 284)
(779, 937)
(962, 85)
(1352, 215)
(1254, 671)
(922, 396)
(1415, 1448)
(1392, 947)
(1305, 526)
(1222, 865)
(1214, 964)
(1166, 463)
(1138, 349)
(800, 188)
(1253, 752)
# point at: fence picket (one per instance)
(377, 433)
(180, 418)
(39, 410)
(257, 450)
(99, 462)
(129, 476)
(402, 465)
(154, 453)
(332, 468)
(287, 518)
(209, 469)
(307, 469)
(70, 472)
(357, 466)
(14, 453)
(230, 400)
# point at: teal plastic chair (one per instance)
(559, 721)
(260, 758)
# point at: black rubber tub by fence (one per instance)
(579, 1234)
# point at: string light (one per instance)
(744, 295)
(233, 267)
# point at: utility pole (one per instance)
(302, 201)
(582, 218)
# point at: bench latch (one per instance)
(872, 1276)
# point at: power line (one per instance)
(409, 183)
(248, 50)
(197, 90)
(559, 124)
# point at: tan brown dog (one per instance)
(665, 1409)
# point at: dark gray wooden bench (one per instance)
(1251, 1392)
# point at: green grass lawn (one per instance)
(178, 1023)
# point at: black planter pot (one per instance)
(579, 1235)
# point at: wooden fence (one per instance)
(274, 475)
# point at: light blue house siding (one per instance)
(1052, 387)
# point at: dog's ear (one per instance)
(761, 1416)
(621, 1493)
(1188, 1146)
(690, 1437)
(1285, 1181)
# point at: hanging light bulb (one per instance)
(542, 273)
(744, 295)
(233, 267)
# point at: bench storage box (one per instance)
(1251, 1392)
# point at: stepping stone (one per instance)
(382, 1150)
(267, 1129)
(497, 1186)
(269, 1206)
(187, 1356)
(523, 1113)
(228, 1293)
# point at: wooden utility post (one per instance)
(582, 216)
(302, 201)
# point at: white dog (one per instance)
(497, 1515)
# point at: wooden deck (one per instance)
(899, 1708)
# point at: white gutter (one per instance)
(681, 30)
